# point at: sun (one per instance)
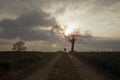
(69, 29)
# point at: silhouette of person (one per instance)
(65, 50)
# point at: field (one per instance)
(59, 66)
(19, 65)
(108, 62)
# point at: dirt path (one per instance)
(67, 67)
(87, 72)
(64, 70)
(43, 72)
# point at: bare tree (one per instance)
(19, 46)
(72, 37)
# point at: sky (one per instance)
(31, 21)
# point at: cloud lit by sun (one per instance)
(67, 30)
(71, 29)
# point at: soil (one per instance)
(43, 72)
(79, 68)
(86, 71)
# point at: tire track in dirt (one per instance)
(86, 71)
(43, 72)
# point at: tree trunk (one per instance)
(72, 46)
(72, 43)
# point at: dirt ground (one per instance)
(42, 73)
(78, 68)
(87, 72)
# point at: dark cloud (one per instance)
(17, 7)
(22, 26)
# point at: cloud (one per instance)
(22, 26)
(105, 2)
(99, 43)
(31, 20)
